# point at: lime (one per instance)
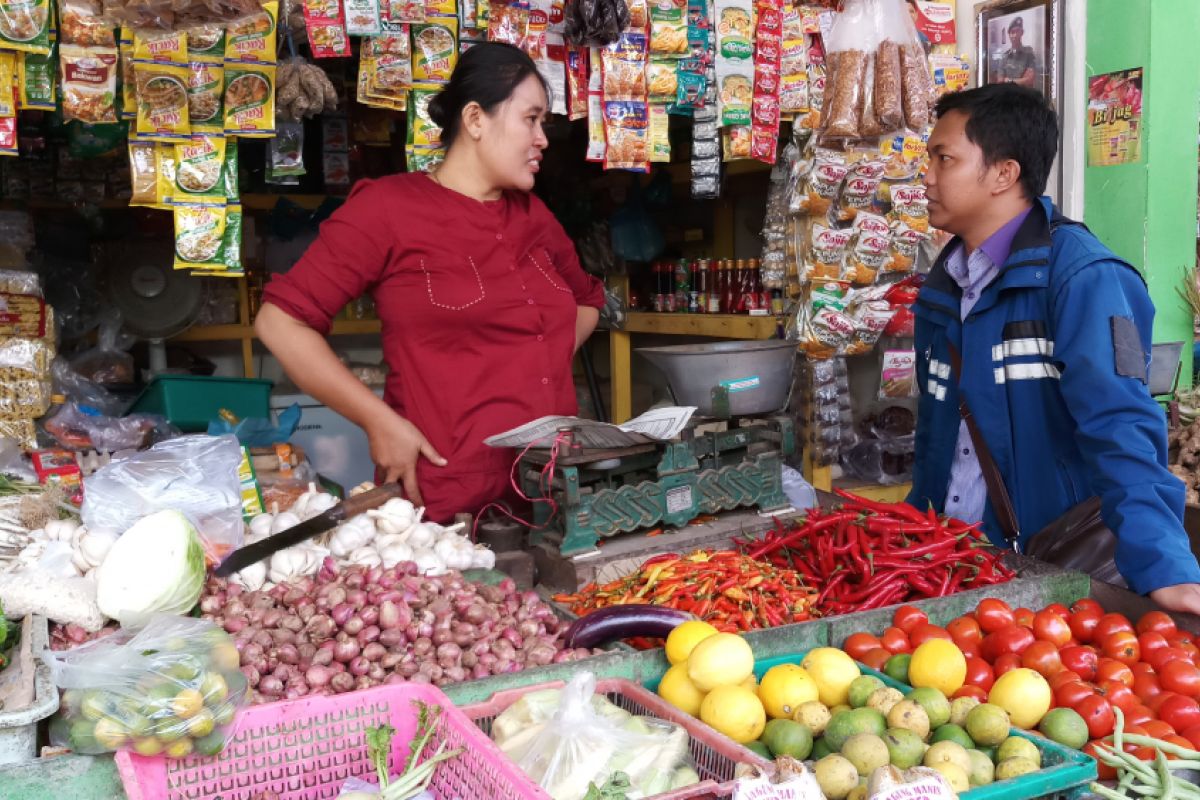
(867, 752)
(110, 734)
(213, 688)
(896, 667)
(147, 746)
(987, 724)
(1018, 747)
(1015, 768)
(935, 704)
(759, 749)
(960, 707)
(210, 745)
(983, 771)
(82, 737)
(952, 733)
(955, 775)
(884, 700)
(814, 716)
(836, 776)
(849, 723)
(861, 689)
(905, 748)
(820, 749)
(179, 748)
(200, 725)
(989, 751)
(187, 703)
(950, 752)
(787, 738)
(909, 715)
(1065, 726)
(94, 706)
(224, 713)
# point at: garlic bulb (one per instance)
(428, 563)
(93, 546)
(482, 558)
(260, 526)
(284, 521)
(367, 556)
(423, 535)
(251, 578)
(351, 535)
(394, 552)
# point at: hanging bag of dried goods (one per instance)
(849, 45)
(25, 26)
(79, 22)
(252, 38)
(250, 100)
(916, 83)
(162, 99)
(89, 83)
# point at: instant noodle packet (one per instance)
(249, 100)
(205, 90)
(199, 236)
(163, 46)
(162, 98)
(25, 26)
(434, 51)
(252, 38)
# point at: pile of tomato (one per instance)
(1093, 660)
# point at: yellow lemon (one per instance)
(683, 640)
(785, 688)
(678, 690)
(1024, 694)
(734, 711)
(723, 659)
(833, 671)
(938, 664)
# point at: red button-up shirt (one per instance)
(478, 306)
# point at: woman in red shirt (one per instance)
(479, 291)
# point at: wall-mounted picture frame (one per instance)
(1018, 42)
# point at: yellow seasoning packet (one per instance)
(660, 139)
(205, 90)
(164, 169)
(250, 100)
(128, 77)
(199, 167)
(252, 38)
(434, 51)
(154, 45)
(199, 236)
(8, 84)
(162, 100)
(143, 174)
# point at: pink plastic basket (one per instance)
(306, 749)
(715, 755)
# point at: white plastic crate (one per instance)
(18, 726)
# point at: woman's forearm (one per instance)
(586, 319)
(312, 365)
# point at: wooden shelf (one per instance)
(722, 326)
(230, 333)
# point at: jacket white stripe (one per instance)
(1026, 372)
(1022, 347)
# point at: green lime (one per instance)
(896, 667)
(210, 745)
(988, 724)
(989, 751)
(1065, 726)
(147, 746)
(756, 747)
(849, 723)
(1019, 747)
(952, 733)
(935, 704)
(787, 738)
(94, 706)
(861, 689)
(820, 749)
(200, 725)
(82, 737)
(1015, 768)
(905, 748)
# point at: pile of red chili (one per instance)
(867, 555)
(731, 591)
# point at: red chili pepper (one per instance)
(802, 532)
(883, 525)
(890, 509)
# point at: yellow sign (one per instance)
(1115, 118)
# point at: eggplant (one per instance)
(622, 622)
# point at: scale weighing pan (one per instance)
(755, 376)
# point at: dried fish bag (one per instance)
(206, 82)
(162, 100)
(89, 83)
(249, 100)
(199, 235)
(25, 25)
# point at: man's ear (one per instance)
(1007, 174)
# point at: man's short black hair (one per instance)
(1009, 121)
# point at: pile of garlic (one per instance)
(69, 546)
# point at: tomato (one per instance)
(1006, 663)
(895, 641)
(1192, 650)
(1087, 604)
(967, 690)
(1042, 658)
(1192, 734)
(1083, 623)
(1013, 639)
(1176, 739)
(1151, 641)
(966, 629)
(1158, 728)
(1059, 609)
(1156, 702)
(1070, 694)
(859, 644)
(1137, 715)
(994, 614)
(1146, 686)
(1103, 771)
(1122, 646)
(1082, 660)
(1180, 712)
(1110, 624)
(908, 617)
(1118, 694)
(1098, 714)
(1050, 627)
(924, 632)
(1161, 656)
(969, 649)
(1141, 668)
(1066, 676)
(1179, 638)
(979, 673)
(1181, 677)
(875, 659)
(1157, 622)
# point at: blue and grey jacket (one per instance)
(1055, 358)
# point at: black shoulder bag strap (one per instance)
(1006, 516)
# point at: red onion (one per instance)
(271, 686)
(389, 615)
(264, 638)
(255, 615)
(345, 651)
(283, 636)
(320, 628)
(252, 675)
(341, 614)
(356, 597)
(235, 608)
(369, 615)
(342, 682)
(322, 657)
(368, 634)
(293, 623)
(408, 669)
(480, 671)
(512, 636)
(359, 666)
(288, 654)
(395, 678)
(353, 625)
(210, 605)
(422, 647)
(235, 624)
(233, 590)
(391, 660)
(374, 651)
(317, 675)
(271, 618)
(455, 674)
(376, 673)
(392, 637)
(363, 682)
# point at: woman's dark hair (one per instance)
(487, 74)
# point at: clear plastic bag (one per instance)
(260, 432)
(171, 688)
(566, 739)
(108, 362)
(196, 475)
(73, 386)
(78, 427)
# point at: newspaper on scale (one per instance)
(656, 425)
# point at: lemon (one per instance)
(1024, 694)
(109, 733)
(678, 690)
(785, 688)
(734, 711)
(723, 659)
(938, 664)
(683, 640)
(187, 703)
(833, 671)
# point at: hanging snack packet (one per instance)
(888, 97)
(199, 167)
(916, 84)
(434, 52)
(793, 64)
(252, 38)
(128, 76)
(739, 142)
(765, 114)
(825, 329)
(660, 139)
(910, 206)
(824, 181)
(25, 26)
(8, 84)
(405, 10)
(626, 136)
(250, 100)
(89, 83)
(325, 25)
(205, 88)
(577, 83)
(860, 189)
(37, 81)
(143, 174)
(870, 251)
(668, 28)
(508, 23)
(163, 100)
(625, 68)
(638, 15)
(232, 242)
(870, 319)
(79, 22)
(441, 8)
(816, 98)
(691, 86)
(423, 132)
(199, 236)
(898, 374)
(162, 46)
(906, 244)
(362, 18)
(826, 252)
(205, 42)
(735, 87)
(662, 80)
(734, 29)
(8, 131)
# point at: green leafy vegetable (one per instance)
(416, 776)
(617, 787)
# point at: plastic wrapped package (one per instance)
(107, 362)
(78, 427)
(173, 14)
(196, 475)
(825, 388)
(171, 688)
(17, 281)
(774, 254)
(566, 739)
(73, 386)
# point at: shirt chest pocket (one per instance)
(452, 283)
(540, 259)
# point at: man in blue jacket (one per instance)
(1054, 333)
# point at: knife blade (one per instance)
(327, 520)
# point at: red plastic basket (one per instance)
(306, 749)
(715, 755)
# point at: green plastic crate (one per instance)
(1063, 769)
(190, 402)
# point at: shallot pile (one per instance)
(355, 627)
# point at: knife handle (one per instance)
(353, 506)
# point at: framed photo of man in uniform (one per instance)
(1018, 43)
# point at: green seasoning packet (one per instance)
(25, 26)
(37, 78)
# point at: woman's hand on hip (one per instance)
(1181, 597)
(396, 447)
